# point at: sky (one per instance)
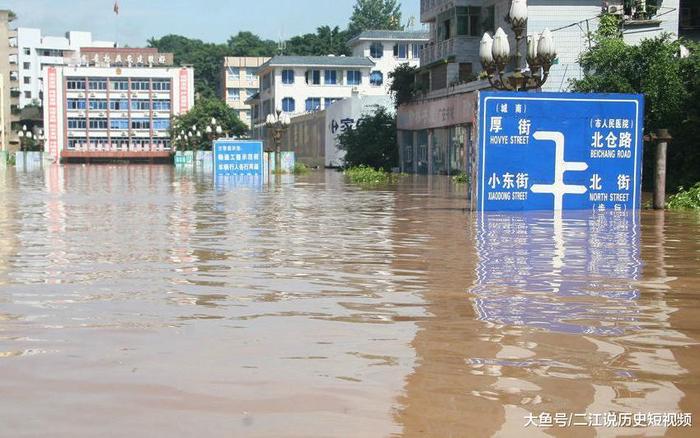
(208, 20)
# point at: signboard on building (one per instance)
(559, 151)
(124, 57)
(52, 122)
(238, 158)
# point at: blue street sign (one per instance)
(238, 158)
(560, 151)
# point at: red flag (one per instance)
(116, 7)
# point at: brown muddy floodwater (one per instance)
(137, 301)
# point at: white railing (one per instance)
(437, 51)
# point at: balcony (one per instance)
(435, 52)
(462, 48)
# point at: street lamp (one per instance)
(495, 54)
(277, 123)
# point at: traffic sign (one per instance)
(559, 151)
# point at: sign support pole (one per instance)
(662, 140)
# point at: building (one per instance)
(436, 134)
(110, 111)
(9, 83)
(239, 82)
(388, 49)
(36, 52)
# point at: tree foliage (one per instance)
(249, 44)
(373, 141)
(403, 83)
(375, 14)
(326, 41)
(669, 82)
(207, 59)
(200, 116)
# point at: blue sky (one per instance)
(209, 20)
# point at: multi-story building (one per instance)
(239, 82)
(9, 89)
(36, 52)
(690, 19)
(298, 84)
(388, 49)
(110, 111)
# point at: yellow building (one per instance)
(239, 82)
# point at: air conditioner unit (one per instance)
(615, 9)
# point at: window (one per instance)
(140, 104)
(119, 85)
(27, 80)
(233, 73)
(313, 77)
(488, 19)
(119, 105)
(161, 124)
(330, 77)
(416, 48)
(401, 51)
(376, 50)
(354, 77)
(97, 84)
(140, 85)
(76, 104)
(98, 104)
(121, 124)
(27, 65)
(161, 105)
(98, 123)
(27, 51)
(75, 84)
(313, 104)
(76, 123)
(288, 105)
(376, 78)
(50, 52)
(233, 93)
(287, 76)
(140, 124)
(468, 20)
(161, 85)
(27, 94)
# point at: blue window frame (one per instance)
(416, 50)
(161, 124)
(75, 104)
(98, 104)
(287, 76)
(77, 123)
(313, 77)
(288, 105)
(119, 124)
(354, 77)
(330, 77)
(376, 78)
(119, 105)
(313, 104)
(401, 51)
(376, 50)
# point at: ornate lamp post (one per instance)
(25, 137)
(277, 123)
(495, 54)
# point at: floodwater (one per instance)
(139, 301)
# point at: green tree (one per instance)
(11, 16)
(200, 116)
(403, 83)
(249, 44)
(207, 59)
(373, 15)
(373, 141)
(669, 82)
(326, 41)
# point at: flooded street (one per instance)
(141, 301)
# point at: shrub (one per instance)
(368, 175)
(300, 169)
(685, 199)
(461, 178)
(373, 142)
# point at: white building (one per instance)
(299, 84)
(113, 112)
(388, 49)
(36, 52)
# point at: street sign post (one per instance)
(238, 158)
(559, 151)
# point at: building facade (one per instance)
(300, 84)
(113, 112)
(9, 81)
(388, 49)
(36, 52)
(240, 82)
